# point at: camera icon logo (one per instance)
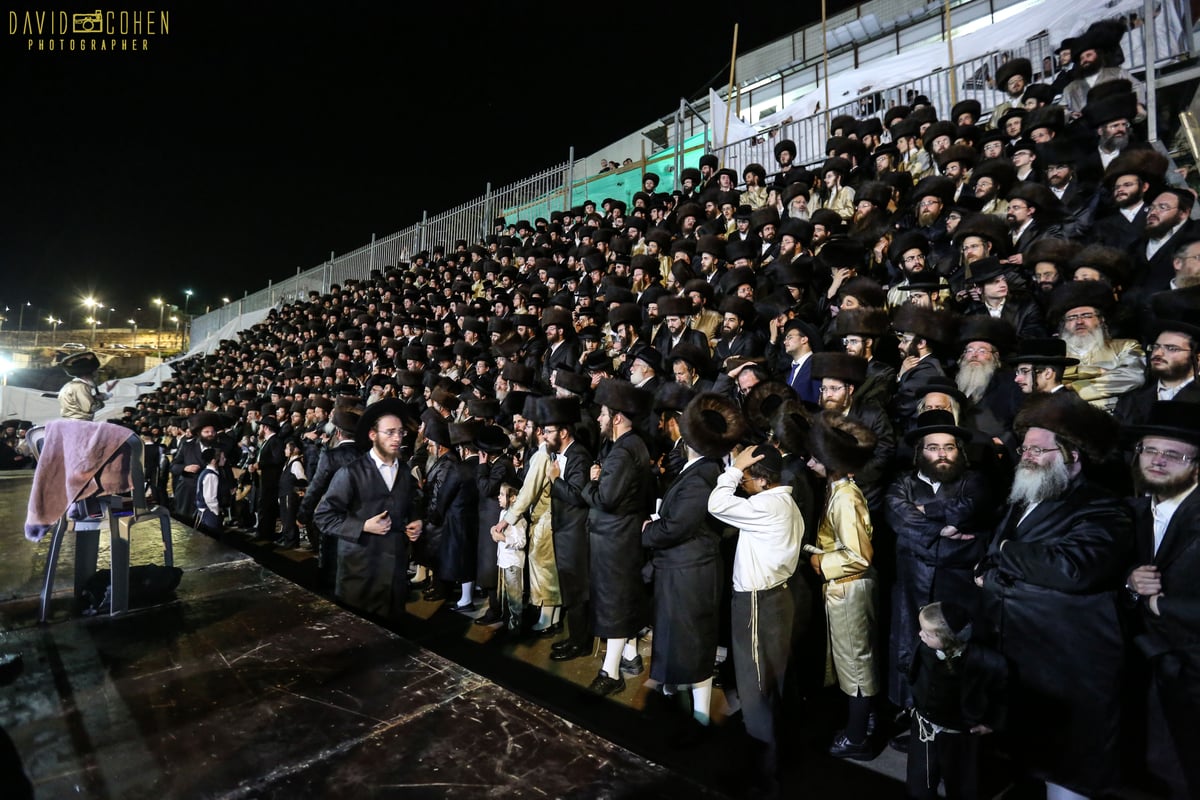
(88, 23)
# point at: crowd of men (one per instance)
(954, 363)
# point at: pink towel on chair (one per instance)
(79, 459)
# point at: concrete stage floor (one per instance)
(251, 682)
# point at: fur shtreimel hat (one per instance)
(925, 323)
(840, 367)
(763, 401)
(623, 396)
(1077, 423)
(712, 424)
(842, 444)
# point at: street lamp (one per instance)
(158, 342)
(93, 304)
(55, 322)
(21, 321)
(176, 321)
(187, 299)
(225, 300)
(133, 323)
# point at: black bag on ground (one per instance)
(148, 584)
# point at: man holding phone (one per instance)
(374, 507)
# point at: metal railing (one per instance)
(555, 188)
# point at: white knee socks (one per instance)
(612, 657)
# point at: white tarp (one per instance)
(229, 330)
(41, 407)
(1023, 22)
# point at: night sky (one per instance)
(256, 138)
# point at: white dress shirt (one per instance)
(770, 530)
(387, 471)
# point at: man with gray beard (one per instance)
(1049, 579)
(1108, 368)
(983, 377)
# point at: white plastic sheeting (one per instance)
(41, 407)
(1021, 23)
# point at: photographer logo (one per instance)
(99, 31)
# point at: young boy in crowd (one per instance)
(958, 690)
(510, 558)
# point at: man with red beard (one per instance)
(840, 375)
(1049, 578)
(1163, 586)
(1108, 368)
(940, 513)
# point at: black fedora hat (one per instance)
(492, 439)
(941, 384)
(1042, 351)
(673, 396)
(558, 411)
(623, 396)
(936, 421)
(1170, 419)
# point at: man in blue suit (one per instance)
(794, 364)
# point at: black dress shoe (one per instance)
(569, 652)
(604, 685)
(434, 593)
(632, 666)
(899, 742)
(490, 617)
(465, 608)
(550, 630)
(559, 646)
(288, 544)
(842, 747)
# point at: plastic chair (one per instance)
(121, 520)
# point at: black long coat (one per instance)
(620, 501)
(1051, 603)
(452, 518)
(931, 567)
(488, 478)
(372, 569)
(1170, 640)
(568, 520)
(685, 550)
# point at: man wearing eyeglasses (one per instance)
(1168, 227)
(1050, 579)
(1164, 588)
(1171, 370)
(1108, 367)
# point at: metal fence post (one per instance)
(1150, 51)
(488, 212)
(569, 189)
(679, 141)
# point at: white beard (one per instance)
(1036, 484)
(1084, 343)
(973, 378)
